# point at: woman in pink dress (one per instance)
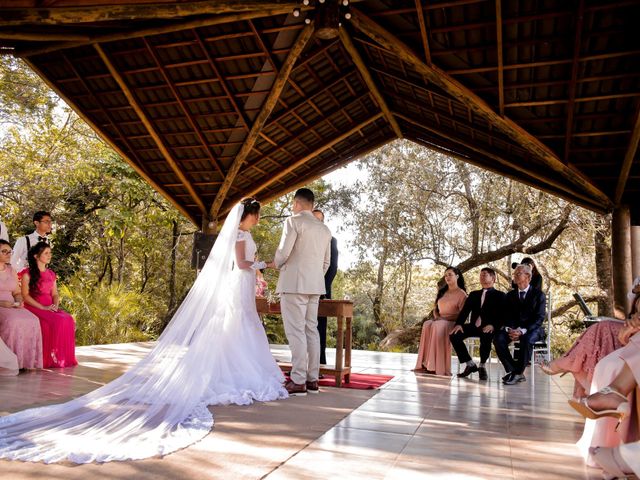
(19, 328)
(434, 353)
(41, 297)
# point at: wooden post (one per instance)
(621, 256)
(635, 251)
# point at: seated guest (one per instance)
(536, 278)
(596, 342)
(524, 311)
(8, 361)
(485, 307)
(613, 402)
(434, 353)
(42, 221)
(41, 297)
(4, 233)
(19, 328)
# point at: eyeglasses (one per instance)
(49, 222)
(5, 252)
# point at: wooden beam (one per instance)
(42, 36)
(289, 168)
(150, 128)
(423, 31)
(138, 169)
(545, 184)
(441, 79)
(173, 27)
(629, 157)
(368, 79)
(261, 119)
(499, 51)
(573, 86)
(148, 11)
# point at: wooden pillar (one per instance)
(635, 250)
(209, 226)
(621, 256)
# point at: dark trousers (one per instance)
(470, 330)
(526, 342)
(322, 330)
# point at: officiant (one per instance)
(42, 221)
(328, 280)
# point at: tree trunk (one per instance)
(377, 299)
(172, 270)
(121, 260)
(604, 276)
(406, 288)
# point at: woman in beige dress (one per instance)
(434, 353)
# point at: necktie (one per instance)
(522, 294)
(484, 294)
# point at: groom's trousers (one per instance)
(300, 317)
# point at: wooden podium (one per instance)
(342, 310)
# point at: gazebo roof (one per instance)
(211, 101)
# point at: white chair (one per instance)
(543, 347)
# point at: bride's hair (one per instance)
(251, 207)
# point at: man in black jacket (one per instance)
(328, 280)
(524, 312)
(485, 307)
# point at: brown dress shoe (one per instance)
(312, 387)
(295, 389)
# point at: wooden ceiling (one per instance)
(211, 101)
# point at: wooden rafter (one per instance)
(139, 170)
(143, 32)
(261, 119)
(252, 190)
(499, 51)
(109, 13)
(424, 35)
(194, 125)
(573, 87)
(629, 157)
(151, 129)
(368, 79)
(464, 95)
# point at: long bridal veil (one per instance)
(159, 405)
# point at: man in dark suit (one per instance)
(485, 307)
(328, 280)
(524, 312)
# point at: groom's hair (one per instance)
(306, 195)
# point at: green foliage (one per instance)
(110, 314)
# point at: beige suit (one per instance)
(303, 257)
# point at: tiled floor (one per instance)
(415, 427)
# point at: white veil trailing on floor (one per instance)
(159, 405)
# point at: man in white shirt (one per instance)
(303, 258)
(42, 221)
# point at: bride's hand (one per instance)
(271, 264)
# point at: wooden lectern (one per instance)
(343, 311)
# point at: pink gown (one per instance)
(434, 353)
(19, 328)
(595, 343)
(58, 328)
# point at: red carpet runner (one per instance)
(359, 381)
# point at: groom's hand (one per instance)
(271, 264)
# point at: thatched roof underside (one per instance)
(212, 101)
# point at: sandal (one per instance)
(583, 408)
(612, 464)
(546, 368)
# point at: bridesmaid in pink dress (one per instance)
(19, 328)
(434, 353)
(41, 297)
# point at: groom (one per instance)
(303, 257)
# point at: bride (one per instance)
(213, 352)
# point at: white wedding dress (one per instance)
(214, 351)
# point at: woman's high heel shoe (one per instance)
(583, 408)
(546, 368)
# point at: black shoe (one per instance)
(468, 370)
(506, 377)
(482, 373)
(515, 378)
